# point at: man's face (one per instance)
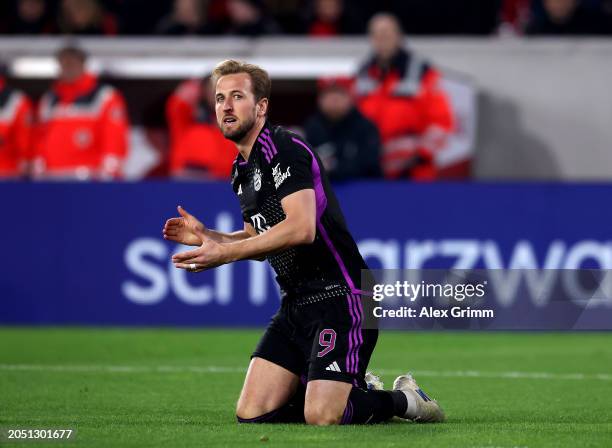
(328, 10)
(187, 11)
(385, 37)
(31, 10)
(71, 67)
(335, 103)
(560, 10)
(242, 12)
(235, 106)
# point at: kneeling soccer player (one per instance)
(310, 364)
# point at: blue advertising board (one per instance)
(93, 253)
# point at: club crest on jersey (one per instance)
(257, 179)
(279, 176)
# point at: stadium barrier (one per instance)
(93, 253)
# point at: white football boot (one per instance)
(373, 381)
(421, 408)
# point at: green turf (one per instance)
(45, 382)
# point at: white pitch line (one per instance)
(79, 368)
(512, 375)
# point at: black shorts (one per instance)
(320, 341)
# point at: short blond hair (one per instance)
(262, 85)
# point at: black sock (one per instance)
(371, 406)
(363, 406)
(400, 403)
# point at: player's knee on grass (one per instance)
(267, 388)
(257, 410)
(322, 413)
(246, 410)
(325, 402)
(268, 417)
(243, 413)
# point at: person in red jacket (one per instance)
(197, 147)
(83, 126)
(400, 93)
(15, 130)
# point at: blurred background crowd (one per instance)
(395, 116)
(315, 18)
(388, 120)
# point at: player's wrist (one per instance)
(231, 252)
(211, 235)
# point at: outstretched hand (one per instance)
(185, 229)
(209, 255)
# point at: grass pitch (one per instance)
(177, 388)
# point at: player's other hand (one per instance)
(185, 229)
(209, 255)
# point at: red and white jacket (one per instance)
(15, 131)
(412, 113)
(82, 131)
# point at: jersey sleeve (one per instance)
(291, 166)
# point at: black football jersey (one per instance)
(281, 163)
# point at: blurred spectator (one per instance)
(332, 18)
(85, 17)
(400, 93)
(197, 146)
(441, 17)
(346, 141)
(514, 16)
(187, 17)
(246, 18)
(567, 17)
(15, 130)
(83, 125)
(255, 17)
(286, 13)
(141, 17)
(30, 17)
